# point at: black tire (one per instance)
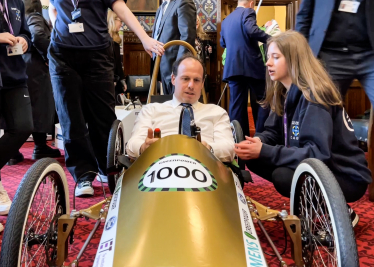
(237, 131)
(116, 147)
(327, 234)
(238, 135)
(27, 220)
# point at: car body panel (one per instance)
(160, 223)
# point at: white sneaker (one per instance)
(1, 227)
(84, 189)
(104, 178)
(5, 202)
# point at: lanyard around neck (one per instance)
(75, 3)
(6, 15)
(285, 125)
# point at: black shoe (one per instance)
(354, 216)
(16, 159)
(45, 151)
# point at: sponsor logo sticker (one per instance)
(105, 246)
(242, 199)
(110, 223)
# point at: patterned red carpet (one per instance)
(261, 191)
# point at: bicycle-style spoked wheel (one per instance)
(30, 236)
(326, 229)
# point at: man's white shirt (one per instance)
(212, 119)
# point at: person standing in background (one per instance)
(341, 34)
(175, 20)
(203, 49)
(39, 81)
(244, 68)
(81, 65)
(15, 105)
(114, 25)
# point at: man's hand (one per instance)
(23, 42)
(7, 38)
(149, 140)
(206, 145)
(267, 24)
(248, 149)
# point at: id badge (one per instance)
(76, 14)
(76, 27)
(14, 50)
(349, 6)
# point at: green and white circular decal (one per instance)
(177, 172)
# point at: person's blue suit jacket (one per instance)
(314, 17)
(240, 35)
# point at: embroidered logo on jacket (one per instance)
(295, 130)
(18, 13)
(347, 121)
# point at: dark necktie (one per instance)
(187, 118)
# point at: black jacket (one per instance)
(13, 69)
(314, 132)
(313, 20)
(39, 81)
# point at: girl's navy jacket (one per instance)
(313, 131)
(13, 68)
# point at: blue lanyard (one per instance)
(6, 15)
(75, 4)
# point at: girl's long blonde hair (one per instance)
(111, 19)
(306, 72)
(199, 31)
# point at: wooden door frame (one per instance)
(292, 8)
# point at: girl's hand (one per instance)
(7, 38)
(248, 149)
(152, 45)
(23, 42)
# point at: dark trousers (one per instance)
(15, 108)
(83, 89)
(239, 101)
(40, 139)
(281, 177)
(344, 67)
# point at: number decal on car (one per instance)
(177, 172)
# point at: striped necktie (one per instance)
(188, 116)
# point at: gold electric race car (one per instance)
(177, 205)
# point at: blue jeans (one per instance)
(344, 67)
(83, 89)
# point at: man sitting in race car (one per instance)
(188, 79)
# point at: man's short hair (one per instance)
(186, 56)
(246, 1)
